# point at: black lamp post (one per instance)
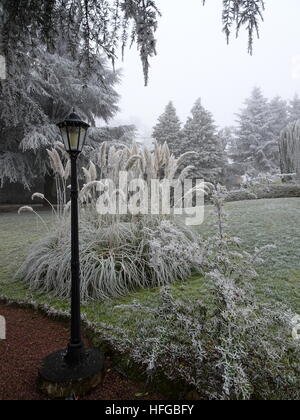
(73, 132)
(75, 370)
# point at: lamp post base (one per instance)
(60, 379)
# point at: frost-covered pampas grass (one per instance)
(30, 210)
(119, 253)
(116, 259)
(62, 172)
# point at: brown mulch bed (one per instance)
(32, 336)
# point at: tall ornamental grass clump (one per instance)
(119, 253)
(116, 259)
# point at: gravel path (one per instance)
(32, 336)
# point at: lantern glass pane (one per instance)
(64, 135)
(74, 137)
(82, 138)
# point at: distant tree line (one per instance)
(250, 147)
(255, 146)
(199, 134)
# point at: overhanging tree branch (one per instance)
(105, 25)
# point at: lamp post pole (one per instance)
(76, 346)
(76, 370)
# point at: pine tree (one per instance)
(254, 135)
(294, 109)
(168, 129)
(200, 135)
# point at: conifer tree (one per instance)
(200, 135)
(253, 134)
(168, 129)
(227, 138)
(52, 86)
(278, 116)
(256, 140)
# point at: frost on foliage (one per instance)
(290, 149)
(38, 137)
(58, 62)
(234, 348)
(144, 14)
(106, 26)
(89, 27)
(15, 167)
(259, 125)
(119, 253)
(200, 134)
(243, 13)
(168, 130)
(35, 96)
(229, 347)
(180, 247)
(115, 259)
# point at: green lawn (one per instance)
(257, 223)
(277, 222)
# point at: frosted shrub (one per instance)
(119, 253)
(235, 347)
(264, 184)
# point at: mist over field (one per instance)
(195, 61)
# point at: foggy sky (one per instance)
(194, 61)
